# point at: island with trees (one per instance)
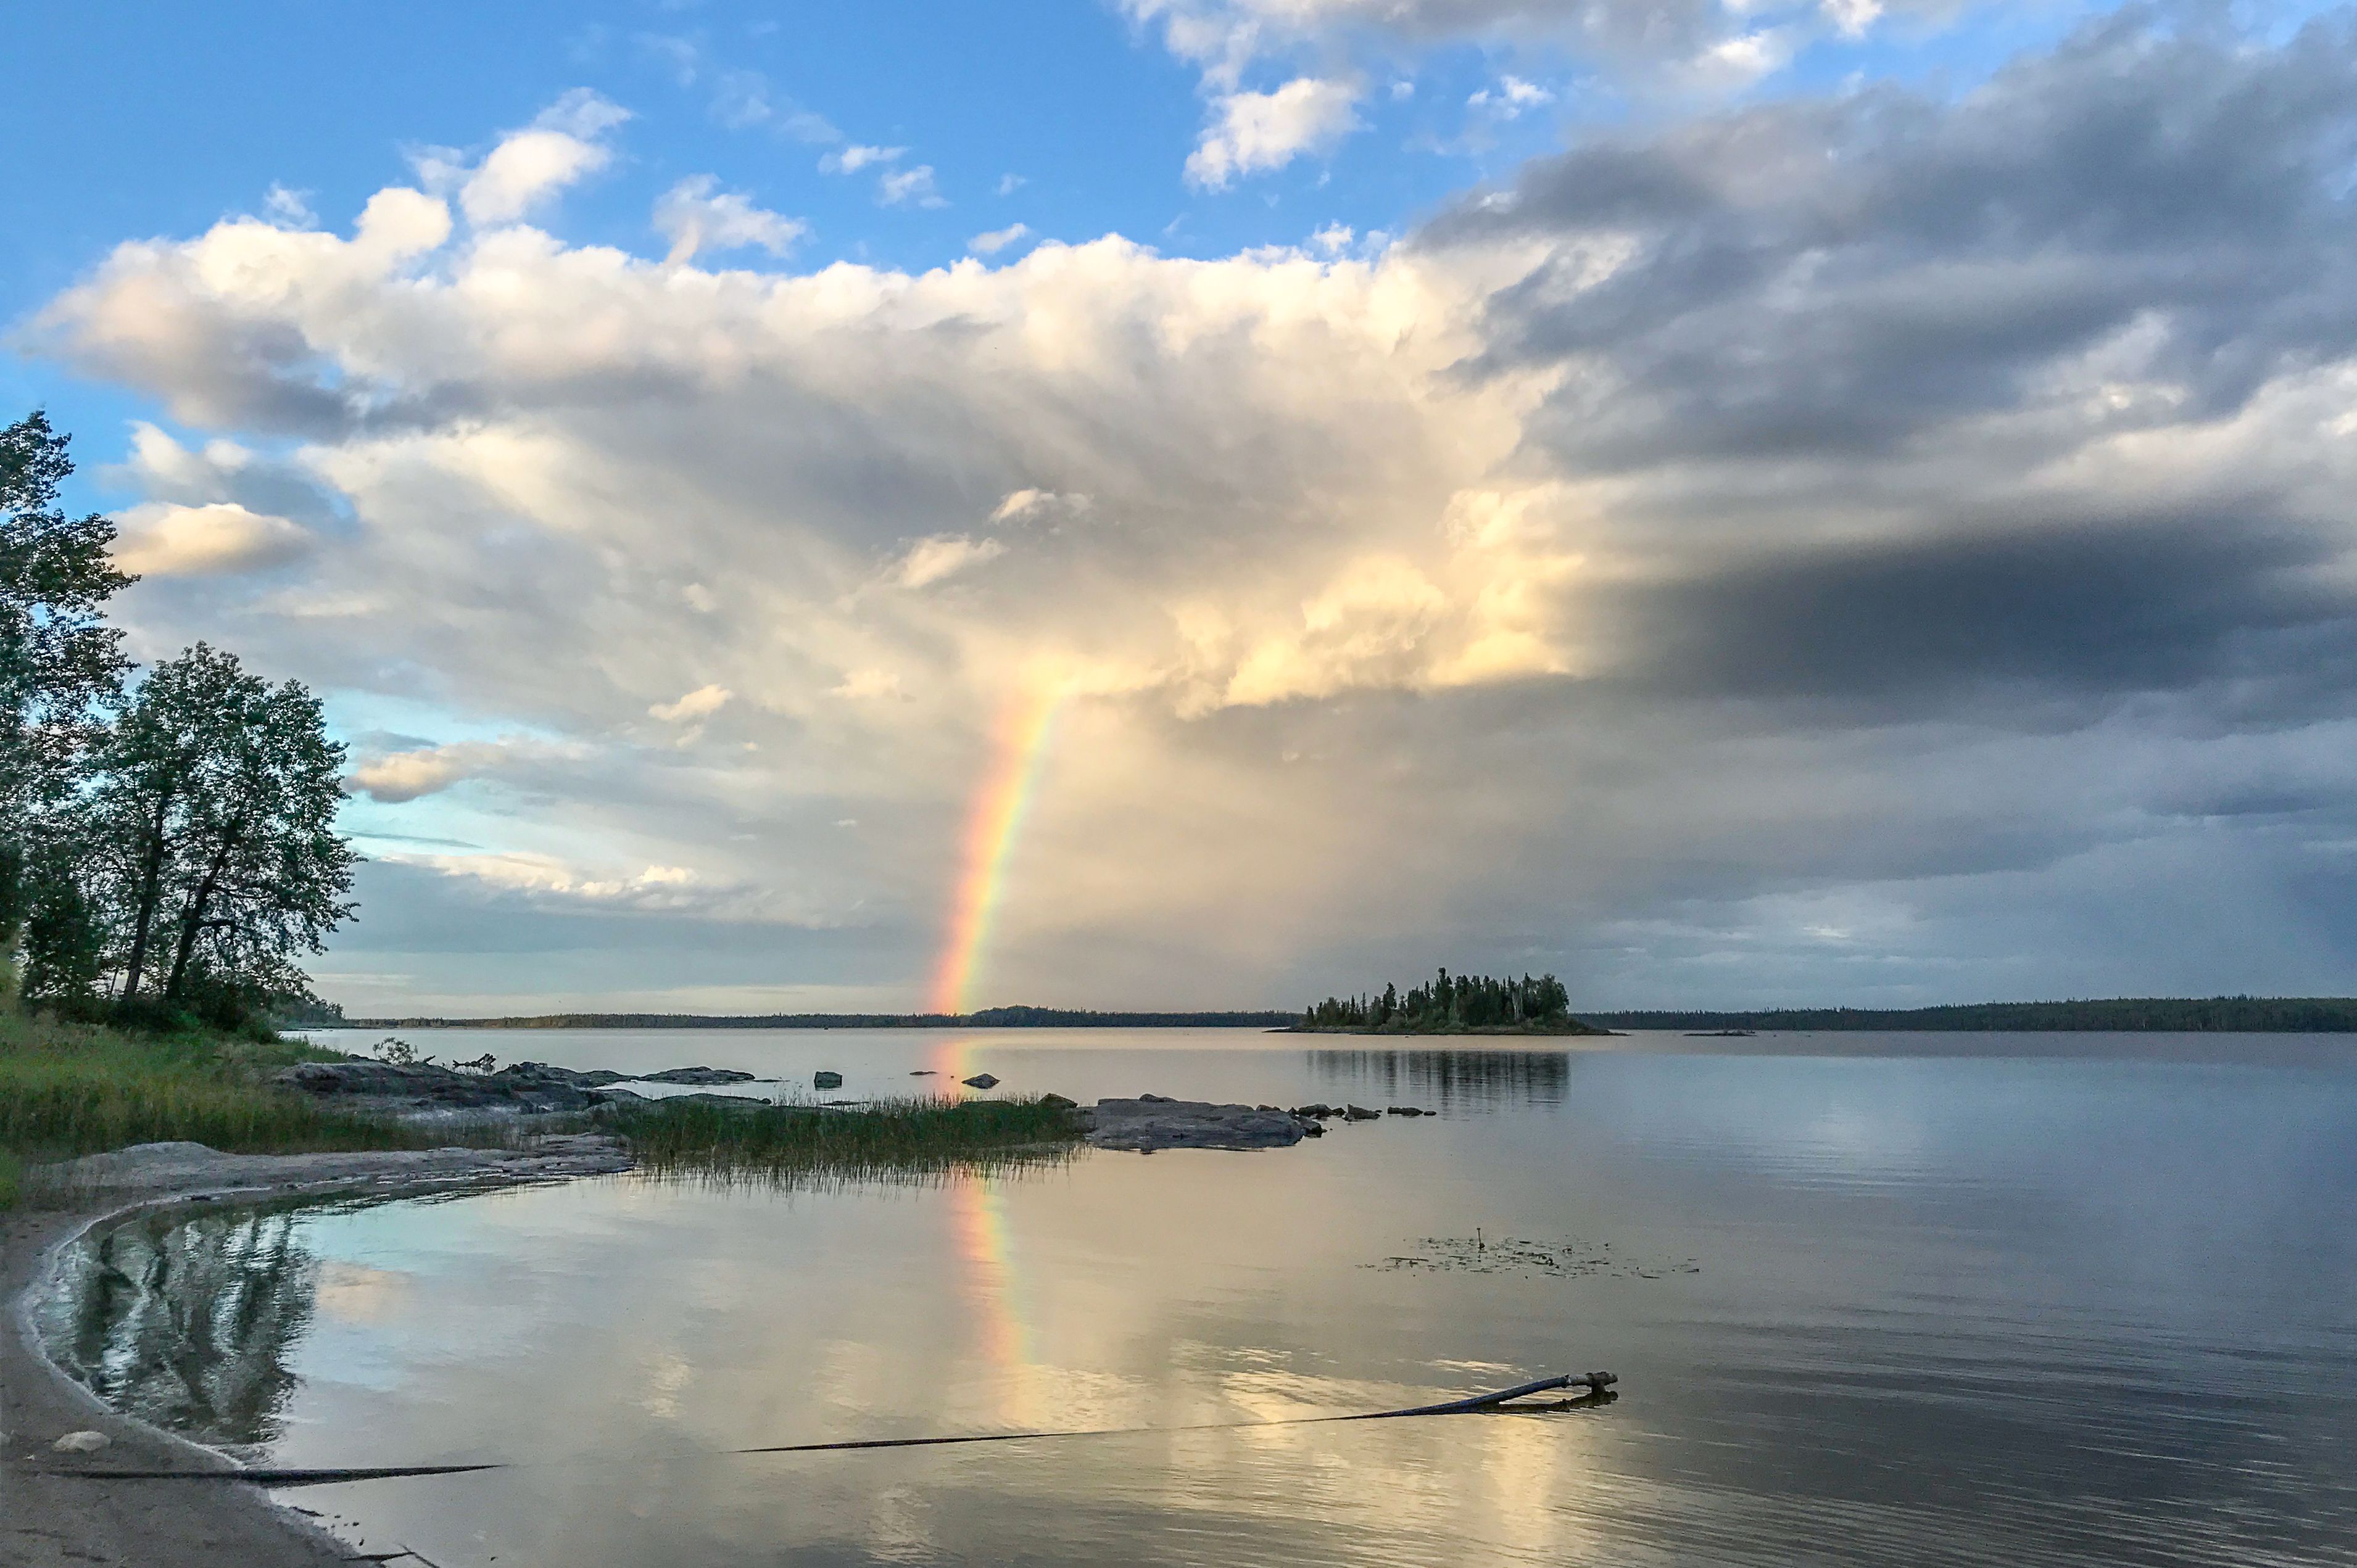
(1447, 1005)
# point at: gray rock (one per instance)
(825, 1079)
(699, 1075)
(1358, 1113)
(1058, 1102)
(980, 1080)
(1320, 1110)
(1405, 1111)
(725, 1101)
(1153, 1122)
(526, 1087)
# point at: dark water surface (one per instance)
(1874, 1299)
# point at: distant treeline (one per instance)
(988, 1019)
(2228, 1014)
(1465, 1003)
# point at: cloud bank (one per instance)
(1873, 546)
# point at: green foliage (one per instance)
(69, 1088)
(218, 806)
(790, 1144)
(1455, 1004)
(59, 661)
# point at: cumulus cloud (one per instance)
(565, 145)
(1252, 133)
(696, 215)
(162, 539)
(392, 778)
(1917, 517)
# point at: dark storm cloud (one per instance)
(2077, 609)
(1843, 277)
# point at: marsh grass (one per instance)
(78, 1089)
(798, 1145)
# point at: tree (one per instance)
(218, 806)
(59, 663)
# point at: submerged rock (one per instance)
(1405, 1110)
(1153, 1122)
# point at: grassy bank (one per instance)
(789, 1144)
(81, 1088)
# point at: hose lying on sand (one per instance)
(1597, 1386)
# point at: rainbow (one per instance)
(992, 826)
(985, 1249)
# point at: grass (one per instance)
(790, 1145)
(80, 1089)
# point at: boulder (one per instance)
(1358, 1113)
(1153, 1122)
(980, 1080)
(1318, 1110)
(1058, 1102)
(825, 1079)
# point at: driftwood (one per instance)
(1597, 1386)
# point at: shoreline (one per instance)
(53, 1521)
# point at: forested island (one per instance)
(1462, 1005)
(987, 1018)
(2223, 1014)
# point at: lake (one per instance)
(1899, 1299)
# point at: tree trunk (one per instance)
(151, 877)
(192, 919)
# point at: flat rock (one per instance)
(1151, 1121)
(524, 1087)
(181, 1165)
(697, 1075)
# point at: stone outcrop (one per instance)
(1153, 1121)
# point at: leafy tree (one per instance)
(218, 806)
(64, 943)
(59, 661)
(58, 665)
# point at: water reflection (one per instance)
(1448, 1080)
(191, 1323)
(1945, 1309)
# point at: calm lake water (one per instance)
(1875, 1299)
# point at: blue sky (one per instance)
(1805, 502)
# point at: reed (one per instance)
(78, 1088)
(798, 1145)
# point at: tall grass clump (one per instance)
(69, 1088)
(882, 1139)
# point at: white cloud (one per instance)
(289, 209)
(1252, 133)
(909, 187)
(1511, 98)
(528, 167)
(696, 216)
(1008, 184)
(1612, 551)
(546, 876)
(998, 240)
(930, 560)
(392, 778)
(853, 158)
(161, 540)
(700, 704)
